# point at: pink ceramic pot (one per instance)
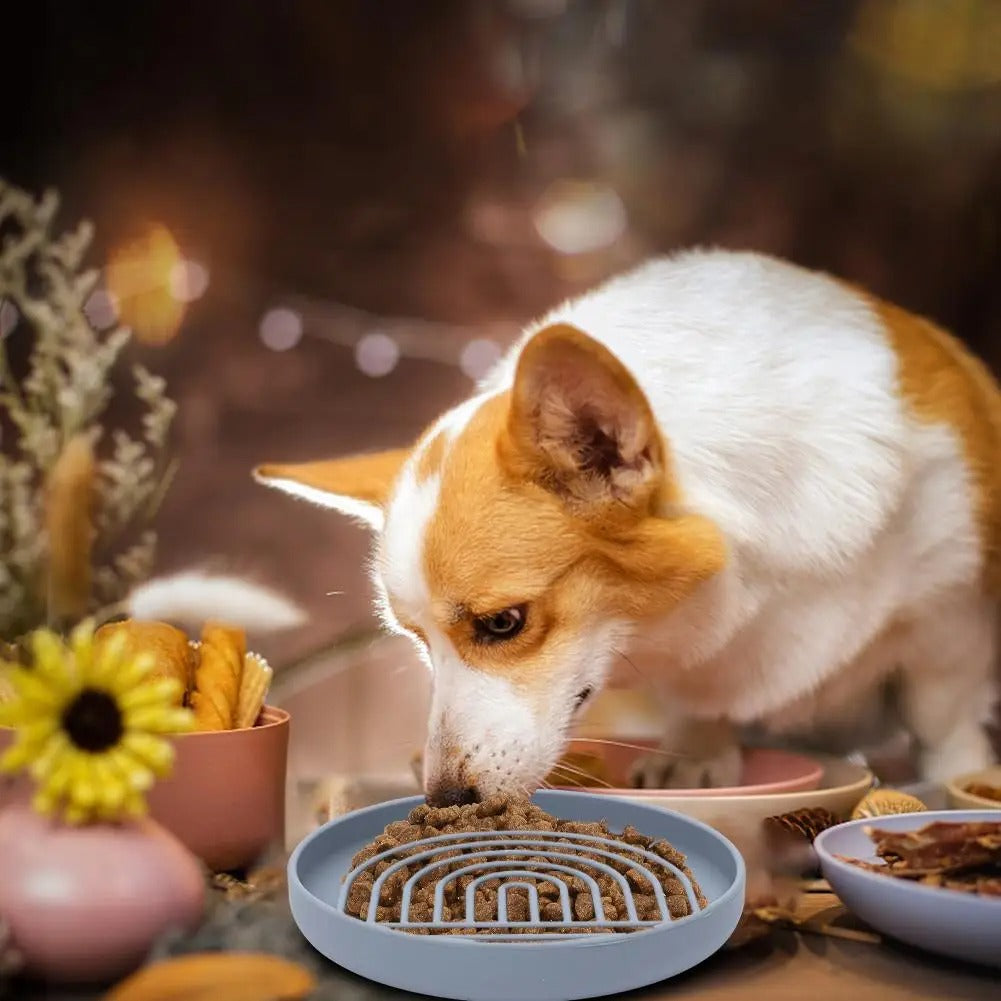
(225, 798)
(84, 904)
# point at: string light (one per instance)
(376, 354)
(281, 328)
(378, 343)
(101, 309)
(580, 217)
(478, 357)
(138, 276)
(189, 280)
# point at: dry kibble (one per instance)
(442, 815)
(517, 905)
(485, 906)
(497, 814)
(607, 885)
(578, 827)
(392, 888)
(418, 815)
(548, 890)
(491, 807)
(633, 837)
(358, 897)
(363, 856)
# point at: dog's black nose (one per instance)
(453, 796)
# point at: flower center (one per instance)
(93, 721)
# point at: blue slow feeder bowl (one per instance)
(499, 966)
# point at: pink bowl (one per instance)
(765, 772)
(224, 800)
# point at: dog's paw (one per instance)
(663, 770)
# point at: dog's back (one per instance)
(848, 451)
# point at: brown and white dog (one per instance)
(775, 489)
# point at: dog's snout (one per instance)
(453, 796)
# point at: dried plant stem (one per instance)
(76, 498)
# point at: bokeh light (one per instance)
(189, 280)
(8, 317)
(376, 354)
(478, 357)
(101, 309)
(579, 217)
(138, 276)
(939, 46)
(281, 328)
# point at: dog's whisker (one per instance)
(655, 690)
(631, 747)
(570, 772)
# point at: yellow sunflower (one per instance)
(89, 725)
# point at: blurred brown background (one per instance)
(419, 178)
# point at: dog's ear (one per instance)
(357, 485)
(580, 425)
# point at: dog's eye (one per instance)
(499, 626)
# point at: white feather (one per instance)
(191, 597)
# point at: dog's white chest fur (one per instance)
(847, 520)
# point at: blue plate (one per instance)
(556, 968)
(947, 922)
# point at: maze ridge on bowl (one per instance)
(487, 855)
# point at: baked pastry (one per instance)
(218, 676)
(172, 654)
(254, 687)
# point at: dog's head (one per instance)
(518, 542)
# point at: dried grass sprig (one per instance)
(46, 416)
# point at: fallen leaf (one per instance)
(217, 976)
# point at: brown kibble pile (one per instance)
(500, 814)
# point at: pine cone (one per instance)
(806, 824)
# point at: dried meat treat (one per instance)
(984, 791)
(955, 856)
(941, 847)
(568, 837)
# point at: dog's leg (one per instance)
(695, 754)
(949, 687)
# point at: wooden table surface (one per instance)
(787, 967)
